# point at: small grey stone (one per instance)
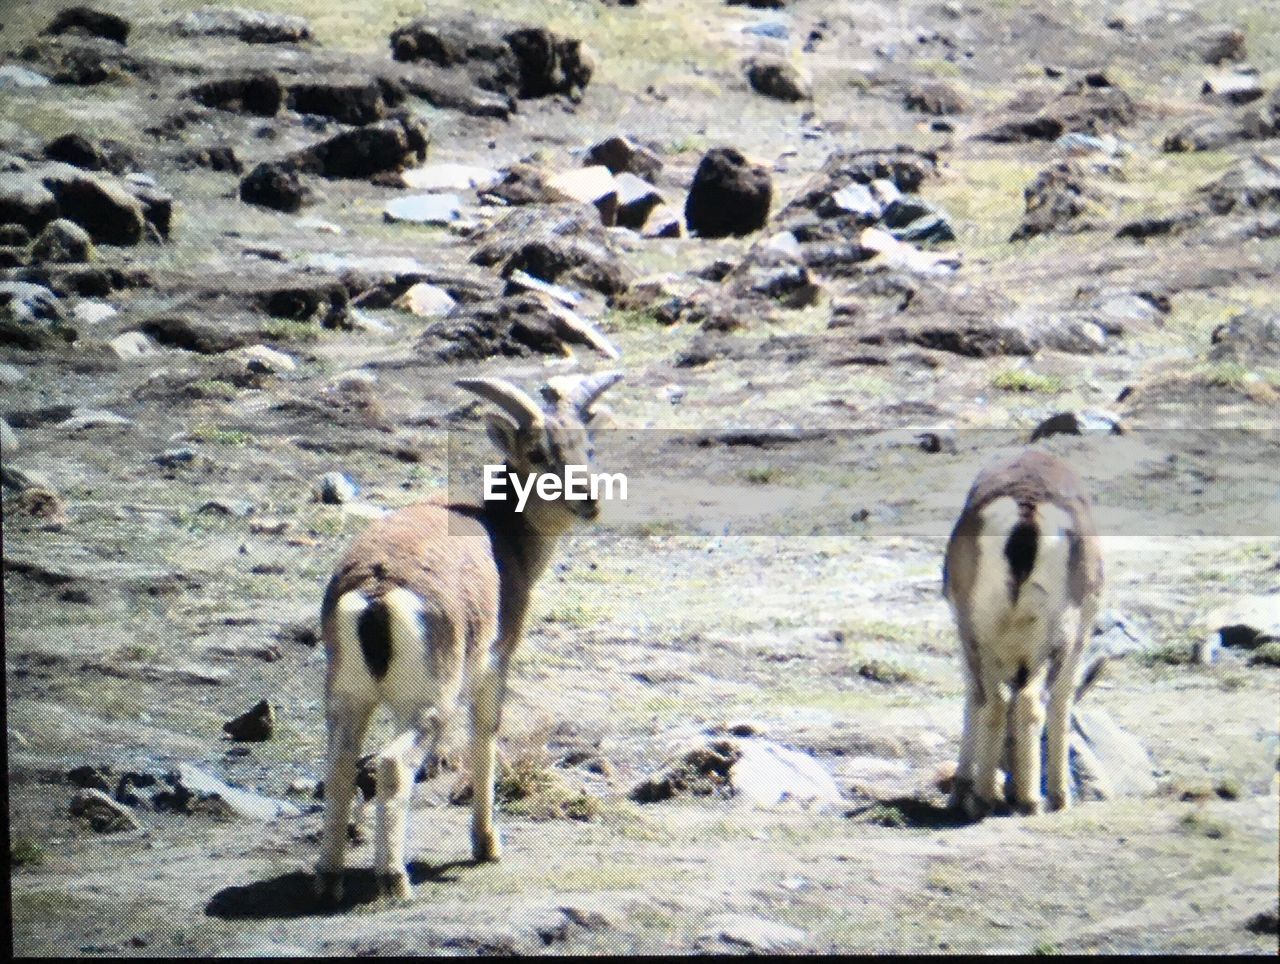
(424, 209)
(82, 418)
(89, 312)
(132, 344)
(13, 77)
(174, 457)
(335, 488)
(1115, 634)
(238, 802)
(857, 199)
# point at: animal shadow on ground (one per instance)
(910, 812)
(293, 894)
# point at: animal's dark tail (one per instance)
(373, 628)
(1021, 546)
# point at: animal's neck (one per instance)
(524, 541)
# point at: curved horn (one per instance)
(507, 397)
(580, 391)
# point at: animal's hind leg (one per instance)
(1027, 723)
(963, 788)
(347, 722)
(397, 768)
(989, 721)
(1062, 682)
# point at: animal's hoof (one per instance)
(965, 800)
(1058, 802)
(395, 885)
(328, 884)
(485, 848)
(1028, 808)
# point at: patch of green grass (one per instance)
(529, 786)
(288, 330)
(886, 815)
(761, 475)
(1021, 380)
(688, 144)
(1175, 654)
(1268, 654)
(25, 852)
(138, 653)
(882, 671)
(215, 388)
(936, 67)
(575, 614)
(1045, 948)
(1200, 825)
(219, 436)
(1224, 375)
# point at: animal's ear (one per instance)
(502, 432)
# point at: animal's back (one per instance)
(1022, 553)
(411, 600)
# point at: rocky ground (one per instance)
(844, 254)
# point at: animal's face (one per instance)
(541, 443)
(562, 440)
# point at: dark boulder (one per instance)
(496, 56)
(389, 145)
(1218, 131)
(32, 317)
(636, 201)
(258, 93)
(355, 101)
(157, 205)
(1090, 105)
(1252, 183)
(216, 157)
(274, 185)
(514, 326)
(550, 64)
(14, 235)
(1055, 201)
(775, 277)
(1218, 44)
(79, 151)
(205, 338)
(104, 208)
(777, 77)
(1248, 338)
(561, 243)
(61, 242)
(90, 22)
(26, 202)
(622, 156)
(84, 61)
(933, 97)
(729, 196)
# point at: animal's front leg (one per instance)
(486, 715)
(347, 724)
